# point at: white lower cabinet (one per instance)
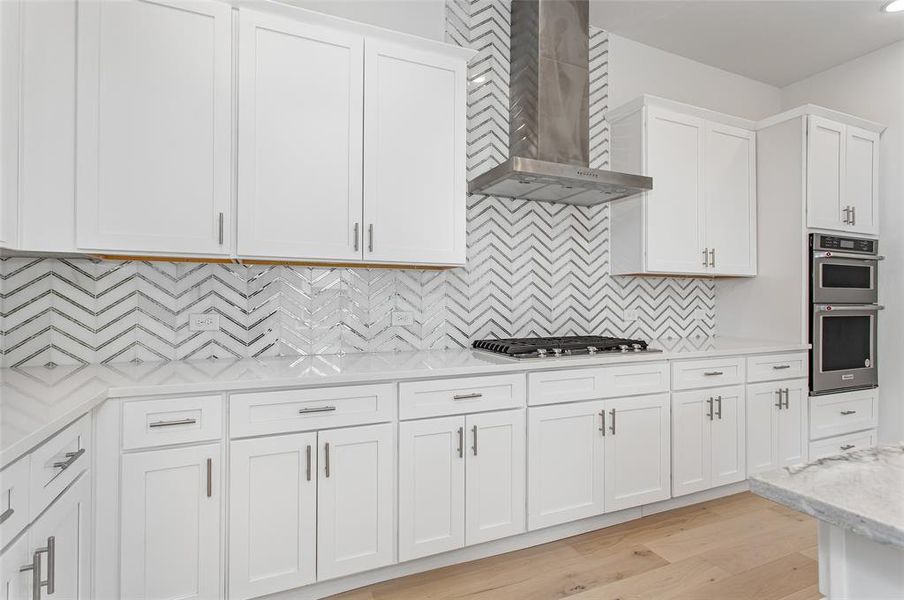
(170, 537)
(355, 509)
(461, 481)
(709, 439)
(776, 425)
(273, 514)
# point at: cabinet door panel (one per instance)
(414, 155)
(170, 525)
(566, 455)
(431, 486)
(15, 584)
(691, 455)
(495, 476)
(355, 500)
(154, 131)
(825, 174)
(300, 153)
(762, 424)
(10, 26)
(273, 514)
(792, 424)
(862, 179)
(638, 449)
(729, 437)
(730, 199)
(674, 208)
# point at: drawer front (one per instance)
(57, 463)
(438, 397)
(283, 411)
(837, 414)
(13, 500)
(553, 387)
(842, 443)
(769, 367)
(149, 423)
(708, 372)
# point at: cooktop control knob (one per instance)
(591, 349)
(623, 347)
(557, 351)
(637, 347)
(541, 352)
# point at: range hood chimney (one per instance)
(549, 145)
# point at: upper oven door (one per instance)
(844, 347)
(845, 278)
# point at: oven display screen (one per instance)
(847, 244)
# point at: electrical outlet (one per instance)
(402, 318)
(699, 314)
(630, 314)
(203, 322)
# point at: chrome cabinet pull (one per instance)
(316, 409)
(461, 442)
(356, 237)
(308, 462)
(712, 258)
(6, 515)
(779, 405)
(787, 394)
(709, 404)
(713, 373)
(846, 447)
(50, 582)
(612, 419)
(780, 367)
(188, 421)
(706, 257)
(220, 228)
(467, 396)
(35, 568)
(848, 412)
(847, 217)
(370, 237)
(71, 457)
(209, 477)
(326, 458)
(719, 405)
(474, 447)
(603, 422)
(853, 215)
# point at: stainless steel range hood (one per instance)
(549, 132)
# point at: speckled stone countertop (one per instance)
(861, 491)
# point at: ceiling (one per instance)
(774, 41)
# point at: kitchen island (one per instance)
(858, 498)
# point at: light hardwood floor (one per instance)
(741, 547)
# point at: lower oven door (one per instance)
(844, 347)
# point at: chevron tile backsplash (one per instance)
(532, 268)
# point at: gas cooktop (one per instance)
(569, 345)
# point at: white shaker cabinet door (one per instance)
(10, 27)
(431, 486)
(674, 207)
(414, 155)
(170, 524)
(862, 180)
(566, 453)
(154, 127)
(692, 441)
(273, 514)
(762, 426)
(355, 509)
(301, 95)
(792, 429)
(730, 199)
(729, 444)
(495, 476)
(826, 202)
(638, 450)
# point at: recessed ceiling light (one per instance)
(894, 6)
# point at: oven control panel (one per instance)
(844, 244)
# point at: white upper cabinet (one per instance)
(700, 216)
(414, 155)
(300, 151)
(154, 127)
(842, 177)
(9, 122)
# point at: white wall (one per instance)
(636, 69)
(425, 18)
(872, 87)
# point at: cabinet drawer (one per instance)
(836, 414)
(259, 413)
(552, 387)
(149, 423)
(707, 372)
(842, 443)
(437, 397)
(770, 367)
(13, 500)
(57, 463)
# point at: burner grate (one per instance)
(568, 345)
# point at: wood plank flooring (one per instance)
(741, 547)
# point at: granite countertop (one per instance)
(36, 402)
(861, 491)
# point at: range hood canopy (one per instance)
(549, 132)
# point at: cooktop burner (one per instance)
(569, 345)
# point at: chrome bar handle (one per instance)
(50, 582)
(209, 477)
(848, 412)
(326, 459)
(220, 228)
(603, 422)
(467, 396)
(709, 404)
(461, 442)
(846, 447)
(706, 257)
(780, 367)
(370, 237)
(853, 215)
(6, 515)
(712, 257)
(779, 405)
(356, 236)
(787, 394)
(35, 568)
(71, 457)
(317, 409)
(308, 462)
(845, 219)
(612, 419)
(188, 421)
(719, 405)
(713, 373)
(474, 429)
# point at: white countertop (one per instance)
(861, 491)
(36, 402)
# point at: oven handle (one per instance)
(863, 257)
(830, 308)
